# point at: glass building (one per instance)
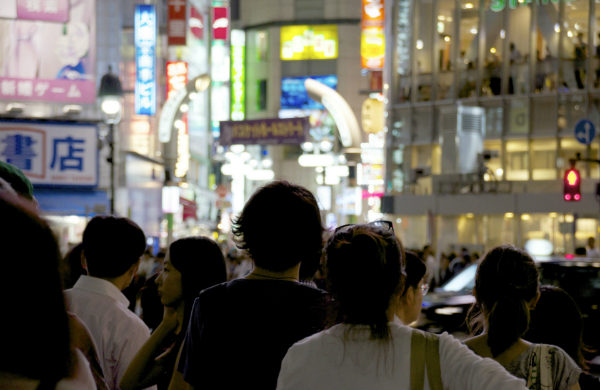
(524, 72)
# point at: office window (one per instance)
(423, 50)
(493, 53)
(517, 160)
(546, 48)
(543, 159)
(518, 49)
(494, 164)
(468, 56)
(575, 45)
(445, 40)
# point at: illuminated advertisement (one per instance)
(145, 47)
(176, 26)
(48, 51)
(220, 27)
(294, 95)
(309, 42)
(183, 148)
(238, 76)
(177, 76)
(265, 132)
(372, 40)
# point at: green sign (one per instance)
(499, 5)
(238, 75)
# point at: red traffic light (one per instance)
(572, 185)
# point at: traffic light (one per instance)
(572, 185)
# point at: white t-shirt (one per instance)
(324, 362)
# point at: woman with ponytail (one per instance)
(506, 289)
(365, 347)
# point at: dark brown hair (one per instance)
(415, 270)
(506, 280)
(365, 272)
(280, 226)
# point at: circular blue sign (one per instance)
(585, 131)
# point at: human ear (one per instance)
(534, 301)
(83, 262)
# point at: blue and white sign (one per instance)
(52, 154)
(585, 131)
(145, 64)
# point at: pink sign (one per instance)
(49, 52)
(66, 91)
(48, 10)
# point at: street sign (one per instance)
(585, 131)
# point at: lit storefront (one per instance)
(532, 70)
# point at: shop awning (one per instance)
(81, 202)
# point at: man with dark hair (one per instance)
(255, 319)
(308, 269)
(112, 248)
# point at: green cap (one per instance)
(17, 180)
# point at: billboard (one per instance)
(176, 25)
(220, 27)
(48, 51)
(309, 42)
(372, 40)
(238, 74)
(52, 154)
(177, 76)
(265, 132)
(144, 30)
(294, 95)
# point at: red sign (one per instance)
(177, 76)
(196, 23)
(176, 28)
(220, 23)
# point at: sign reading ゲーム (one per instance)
(52, 154)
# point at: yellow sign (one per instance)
(309, 42)
(372, 47)
(372, 116)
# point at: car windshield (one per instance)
(463, 281)
(581, 280)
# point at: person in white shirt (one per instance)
(591, 250)
(112, 248)
(367, 349)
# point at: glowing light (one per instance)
(308, 146)
(509, 215)
(499, 172)
(441, 17)
(473, 30)
(468, 5)
(319, 169)
(447, 38)
(572, 178)
(326, 146)
(316, 160)
(569, 218)
(557, 27)
(184, 108)
(493, 50)
(553, 215)
(399, 220)
(525, 217)
(267, 163)
(237, 148)
(419, 44)
(502, 34)
(577, 197)
(570, 34)
(470, 215)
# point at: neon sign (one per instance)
(372, 41)
(238, 75)
(145, 47)
(177, 77)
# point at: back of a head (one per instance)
(309, 267)
(17, 180)
(506, 280)
(71, 268)
(415, 270)
(35, 332)
(365, 271)
(111, 245)
(280, 226)
(556, 320)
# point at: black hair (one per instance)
(415, 270)
(71, 268)
(556, 320)
(365, 273)
(111, 245)
(33, 295)
(280, 226)
(506, 280)
(309, 267)
(201, 264)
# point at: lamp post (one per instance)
(110, 95)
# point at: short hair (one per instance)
(415, 270)
(309, 267)
(280, 226)
(111, 245)
(365, 272)
(33, 291)
(17, 180)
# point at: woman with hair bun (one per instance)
(365, 347)
(506, 289)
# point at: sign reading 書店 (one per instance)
(499, 5)
(52, 154)
(292, 131)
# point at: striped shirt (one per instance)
(117, 331)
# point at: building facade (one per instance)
(508, 78)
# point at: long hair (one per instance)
(201, 264)
(506, 280)
(365, 272)
(33, 296)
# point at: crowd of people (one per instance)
(69, 324)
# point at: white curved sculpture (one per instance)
(339, 109)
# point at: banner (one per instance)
(49, 51)
(145, 47)
(52, 154)
(372, 41)
(265, 132)
(176, 27)
(220, 27)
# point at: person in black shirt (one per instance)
(253, 320)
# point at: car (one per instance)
(445, 309)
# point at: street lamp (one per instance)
(110, 95)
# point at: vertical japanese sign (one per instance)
(177, 76)
(176, 29)
(372, 41)
(145, 47)
(238, 75)
(52, 154)
(220, 20)
(48, 51)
